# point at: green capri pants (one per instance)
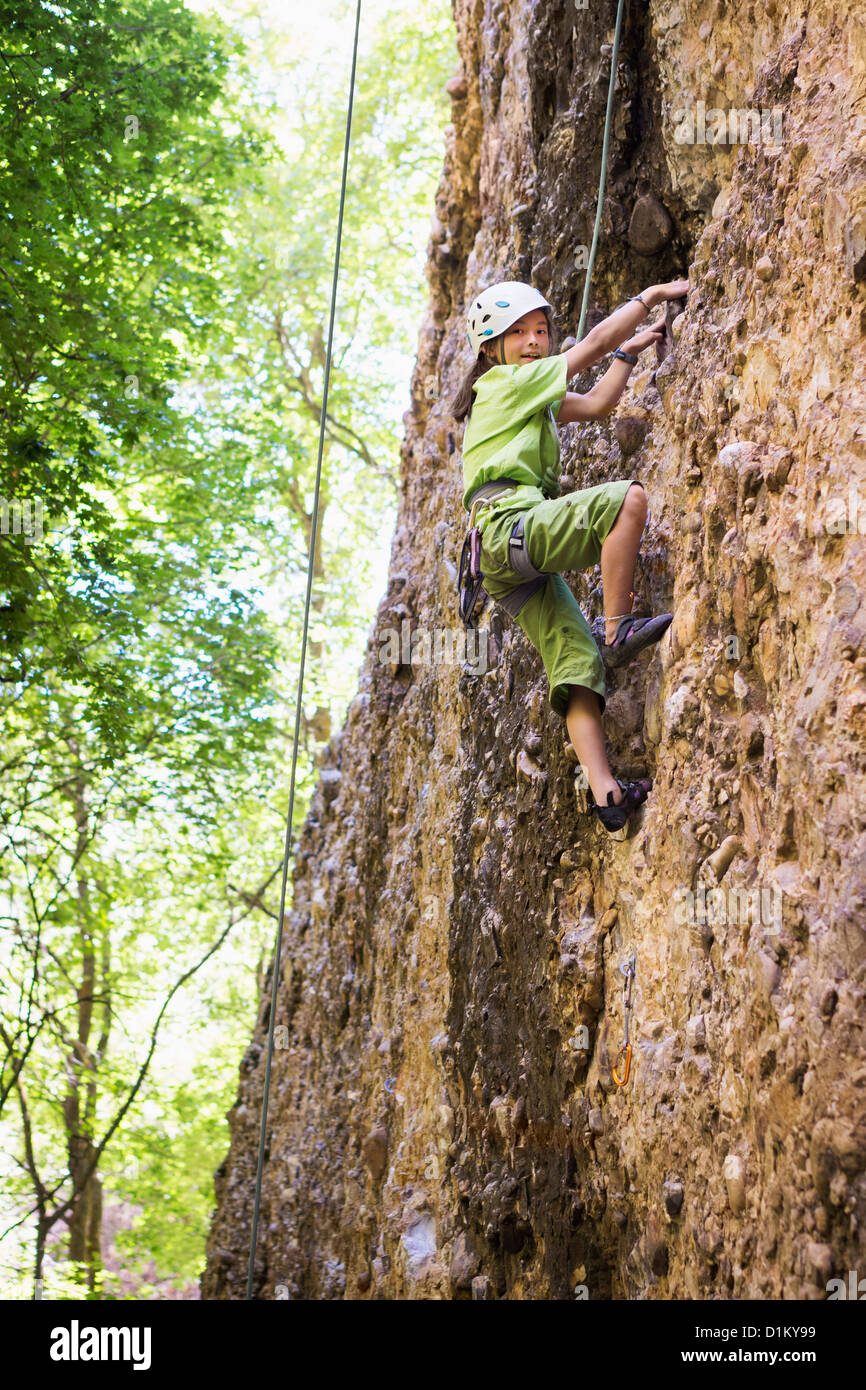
(561, 533)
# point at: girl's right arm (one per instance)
(608, 335)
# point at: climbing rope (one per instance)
(313, 529)
(601, 181)
(627, 970)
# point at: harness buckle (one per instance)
(518, 554)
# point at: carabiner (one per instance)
(626, 1048)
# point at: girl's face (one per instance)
(525, 340)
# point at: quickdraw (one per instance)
(627, 970)
(470, 577)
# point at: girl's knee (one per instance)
(585, 699)
(632, 512)
(635, 499)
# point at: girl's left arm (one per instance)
(598, 403)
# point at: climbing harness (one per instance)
(313, 530)
(627, 970)
(521, 563)
(470, 577)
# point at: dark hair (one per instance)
(464, 398)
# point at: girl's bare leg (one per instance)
(583, 722)
(618, 554)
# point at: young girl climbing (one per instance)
(513, 395)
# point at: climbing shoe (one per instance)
(614, 816)
(631, 636)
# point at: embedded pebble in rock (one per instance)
(330, 780)
(819, 1262)
(464, 1263)
(651, 226)
(696, 1031)
(629, 432)
(450, 997)
(527, 767)
(723, 857)
(419, 1243)
(734, 1175)
(673, 1195)
(375, 1150)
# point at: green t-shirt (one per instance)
(510, 431)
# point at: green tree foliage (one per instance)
(118, 175)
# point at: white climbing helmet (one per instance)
(497, 308)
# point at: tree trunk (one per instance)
(82, 1063)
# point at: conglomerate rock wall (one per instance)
(444, 1121)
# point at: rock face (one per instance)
(444, 1121)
